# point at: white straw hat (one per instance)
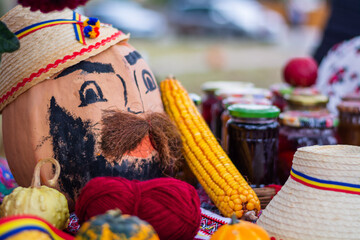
(47, 50)
(320, 200)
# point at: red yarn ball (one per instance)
(46, 6)
(171, 206)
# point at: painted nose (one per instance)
(143, 150)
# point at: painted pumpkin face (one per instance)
(62, 118)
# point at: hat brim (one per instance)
(47, 51)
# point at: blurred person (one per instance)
(298, 10)
(339, 72)
(343, 24)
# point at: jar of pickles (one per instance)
(349, 122)
(253, 141)
(300, 129)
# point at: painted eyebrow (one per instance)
(89, 67)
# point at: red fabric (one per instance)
(171, 206)
(276, 187)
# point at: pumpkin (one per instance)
(114, 225)
(38, 200)
(236, 230)
(61, 117)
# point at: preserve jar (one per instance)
(209, 98)
(225, 116)
(279, 91)
(306, 99)
(349, 122)
(300, 129)
(253, 141)
(248, 95)
(353, 96)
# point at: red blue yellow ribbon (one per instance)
(92, 31)
(79, 33)
(11, 226)
(324, 184)
(36, 26)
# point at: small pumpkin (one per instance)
(38, 200)
(238, 230)
(114, 225)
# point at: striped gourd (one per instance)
(207, 160)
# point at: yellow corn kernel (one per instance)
(205, 157)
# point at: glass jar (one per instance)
(353, 96)
(253, 141)
(225, 116)
(279, 91)
(208, 101)
(349, 122)
(209, 98)
(247, 95)
(300, 129)
(306, 99)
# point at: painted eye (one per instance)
(148, 81)
(90, 92)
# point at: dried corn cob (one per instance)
(207, 160)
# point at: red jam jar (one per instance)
(209, 98)
(253, 141)
(300, 129)
(349, 122)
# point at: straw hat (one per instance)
(320, 200)
(46, 51)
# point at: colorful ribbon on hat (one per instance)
(324, 184)
(89, 28)
(10, 226)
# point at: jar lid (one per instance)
(253, 111)
(215, 85)
(307, 91)
(313, 119)
(307, 100)
(243, 92)
(354, 96)
(281, 89)
(349, 106)
(245, 100)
